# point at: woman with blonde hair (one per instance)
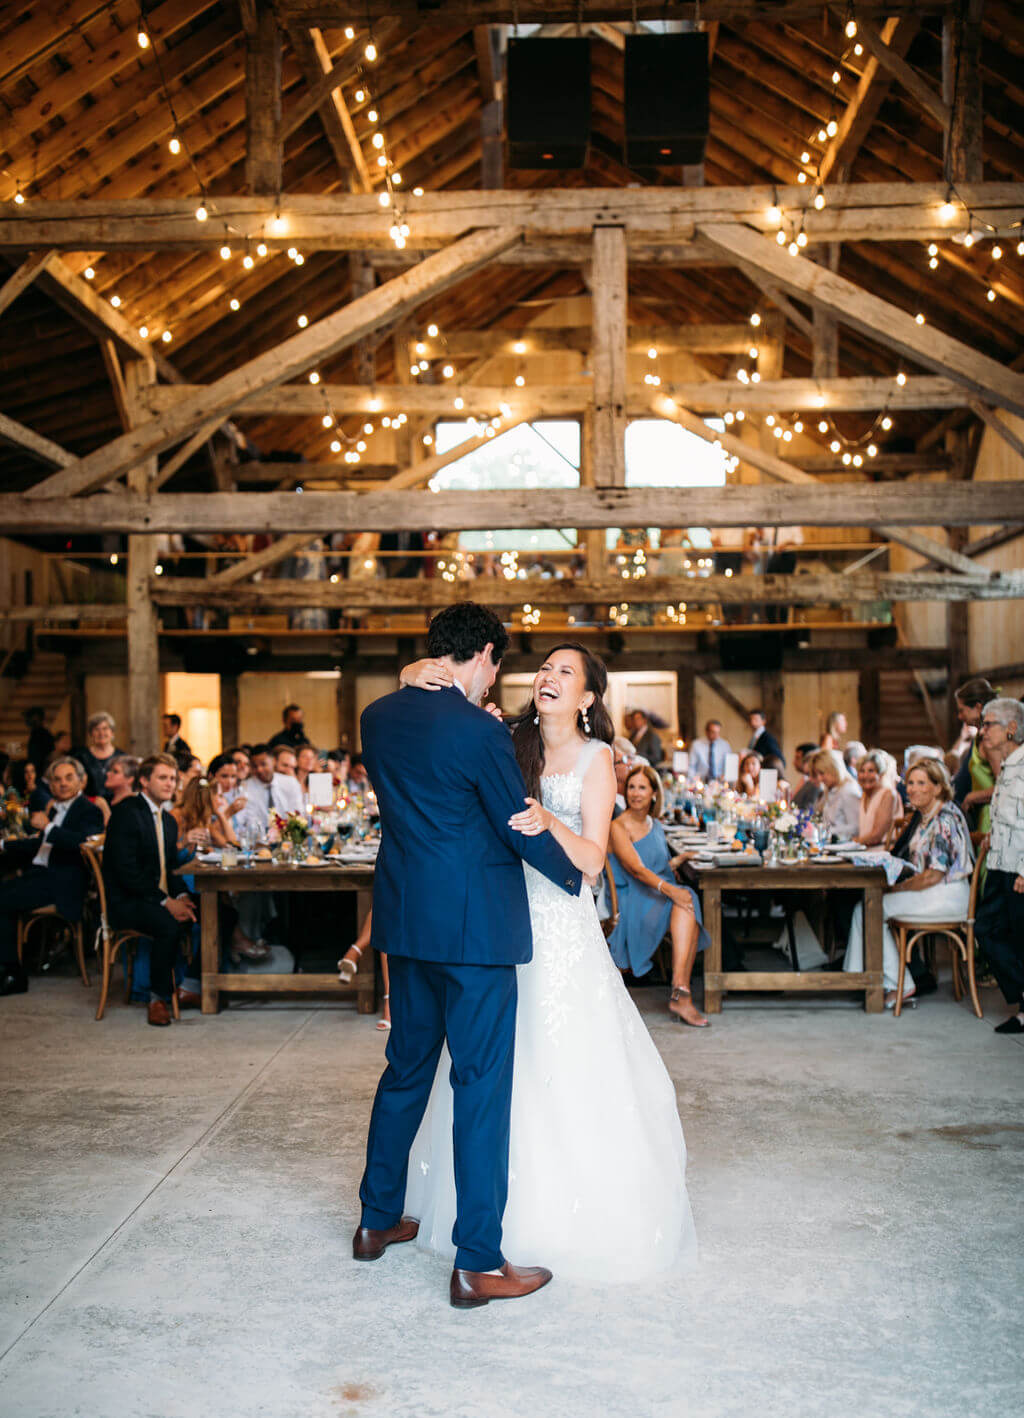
(936, 845)
(840, 805)
(879, 802)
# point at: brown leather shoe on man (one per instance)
(188, 999)
(371, 1245)
(158, 1013)
(470, 1288)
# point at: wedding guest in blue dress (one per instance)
(651, 901)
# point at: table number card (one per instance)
(321, 789)
(767, 783)
(680, 761)
(732, 767)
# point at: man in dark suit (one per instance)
(644, 737)
(54, 872)
(143, 894)
(175, 745)
(762, 741)
(450, 910)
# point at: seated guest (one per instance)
(121, 781)
(761, 739)
(288, 795)
(338, 762)
(98, 750)
(975, 780)
(203, 819)
(999, 926)
(242, 762)
(174, 744)
(808, 791)
(54, 871)
(852, 755)
(307, 761)
(223, 773)
(651, 901)
(750, 772)
(937, 846)
(259, 794)
(708, 755)
(143, 893)
(21, 775)
(840, 802)
(624, 760)
(879, 803)
(358, 777)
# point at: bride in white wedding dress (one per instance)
(597, 1161)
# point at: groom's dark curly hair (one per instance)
(462, 631)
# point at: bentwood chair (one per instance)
(50, 913)
(612, 920)
(959, 936)
(109, 941)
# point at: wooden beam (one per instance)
(785, 472)
(290, 359)
(23, 277)
(849, 504)
(246, 567)
(875, 317)
(872, 90)
(574, 12)
(602, 590)
(263, 102)
(713, 396)
(542, 340)
(185, 452)
(992, 420)
(144, 700)
(608, 355)
(112, 364)
(315, 60)
(966, 131)
(558, 221)
(888, 56)
(725, 694)
(825, 349)
(980, 545)
(15, 433)
(78, 298)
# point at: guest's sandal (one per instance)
(384, 1023)
(347, 968)
(679, 992)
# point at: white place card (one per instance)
(732, 767)
(680, 761)
(767, 784)
(321, 789)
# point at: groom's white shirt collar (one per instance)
(457, 684)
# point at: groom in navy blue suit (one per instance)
(450, 910)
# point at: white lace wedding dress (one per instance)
(597, 1163)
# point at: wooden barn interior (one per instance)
(317, 316)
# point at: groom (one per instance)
(450, 910)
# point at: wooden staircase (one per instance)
(902, 716)
(45, 683)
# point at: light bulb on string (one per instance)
(901, 379)
(201, 213)
(335, 446)
(167, 337)
(89, 273)
(432, 332)
(990, 294)
(823, 426)
(349, 32)
(327, 421)
(385, 199)
(819, 200)
(774, 212)
(142, 37)
(302, 321)
(851, 28)
(370, 52)
(248, 261)
(115, 301)
(360, 95)
(261, 249)
(175, 145)
(886, 423)
(780, 238)
(234, 303)
(225, 253)
(801, 177)
(373, 115)
(997, 253)
(755, 319)
(314, 377)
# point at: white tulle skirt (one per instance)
(597, 1169)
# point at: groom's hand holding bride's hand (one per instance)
(533, 821)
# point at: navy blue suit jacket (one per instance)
(449, 884)
(66, 870)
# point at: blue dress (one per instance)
(644, 912)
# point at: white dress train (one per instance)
(597, 1166)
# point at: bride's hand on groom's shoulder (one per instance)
(492, 709)
(426, 674)
(533, 820)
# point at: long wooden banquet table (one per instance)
(713, 881)
(211, 880)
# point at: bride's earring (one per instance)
(586, 721)
(536, 718)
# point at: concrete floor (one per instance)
(177, 1208)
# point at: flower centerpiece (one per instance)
(14, 817)
(293, 832)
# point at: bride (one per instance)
(597, 1162)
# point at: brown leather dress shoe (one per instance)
(158, 1013)
(188, 999)
(371, 1245)
(470, 1288)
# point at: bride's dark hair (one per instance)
(526, 739)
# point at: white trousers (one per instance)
(946, 902)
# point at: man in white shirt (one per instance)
(708, 755)
(53, 872)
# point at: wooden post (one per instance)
(966, 129)
(348, 726)
(144, 706)
(263, 103)
(608, 355)
(593, 541)
(957, 639)
(686, 702)
(229, 735)
(492, 145)
(825, 354)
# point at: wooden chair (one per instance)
(113, 941)
(959, 936)
(50, 913)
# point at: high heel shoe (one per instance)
(384, 1024)
(347, 968)
(680, 992)
(243, 948)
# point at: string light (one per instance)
(234, 303)
(755, 319)
(167, 337)
(370, 52)
(142, 37)
(19, 196)
(175, 145)
(201, 213)
(302, 321)
(144, 331)
(225, 253)
(89, 273)
(115, 301)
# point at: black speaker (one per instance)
(548, 102)
(667, 109)
(750, 652)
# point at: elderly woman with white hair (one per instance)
(98, 752)
(879, 801)
(999, 926)
(936, 844)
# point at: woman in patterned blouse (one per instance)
(937, 845)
